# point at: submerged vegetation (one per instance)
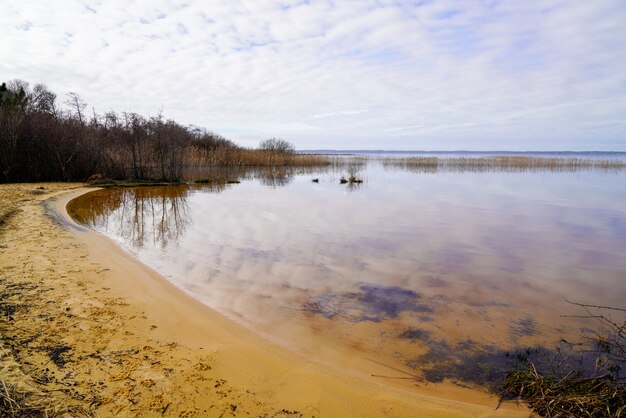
(581, 379)
(500, 163)
(40, 141)
(588, 380)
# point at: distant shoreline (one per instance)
(452, 152)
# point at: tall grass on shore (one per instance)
(500, 163)
(245, 157)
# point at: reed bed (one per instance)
(270, 167)
(500, 163)
(243, 157)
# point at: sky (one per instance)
(340, 74)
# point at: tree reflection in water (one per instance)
(277, 176)
(159, 214)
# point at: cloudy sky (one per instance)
(340, 74)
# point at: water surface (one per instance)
(434, 274)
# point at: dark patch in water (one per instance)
(373, 303)
(491, 303)
(524, 327)
(469, 362)
(436, 282)
(415, 334)
(486, 365)
(467, 345)
(389, 301)
(322, 305)
(464, 362)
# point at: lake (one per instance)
(438, 275)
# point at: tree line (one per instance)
(43, 141)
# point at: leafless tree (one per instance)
(42, 99)
(277, 145)
(77, 104)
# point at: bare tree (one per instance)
(277, 145)
(77, 104)
(42, 100)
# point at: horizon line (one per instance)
(459, 150)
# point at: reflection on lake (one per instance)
(276, 176)
(153, 216)
(435, 274)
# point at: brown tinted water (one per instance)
(435, 275)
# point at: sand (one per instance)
(90, 330)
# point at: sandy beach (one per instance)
(87, 329)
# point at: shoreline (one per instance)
(184, 358)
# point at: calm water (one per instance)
(428, 273)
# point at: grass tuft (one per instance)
(567, 396)
(596, 388)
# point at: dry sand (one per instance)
(87, 329)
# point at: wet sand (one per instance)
(90, 326)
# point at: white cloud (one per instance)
(443, 74)
(339, 113)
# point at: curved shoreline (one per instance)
(249, 361)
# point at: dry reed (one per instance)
(594, 388)
(567, 396)
(501, 163)
(8, 208)
(16, 402)
(242, 157)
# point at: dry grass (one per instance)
(500, 163)
(19, 401)
(567, 396)
(242, 157)
(594, 388)
(8, 208)
(21, 397)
